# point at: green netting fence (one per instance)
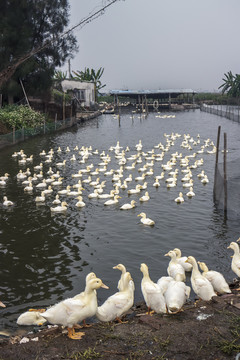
(25, 133)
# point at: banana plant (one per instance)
(91, 75)
(231, 84)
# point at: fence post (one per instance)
(225, 173)
(44, 127)
(22, 133)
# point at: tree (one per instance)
(26, 25)
(231, 84)
(91, 75)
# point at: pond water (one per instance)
(45, 258)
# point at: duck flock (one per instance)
(166, 296)
(116, 169)
(127, 172)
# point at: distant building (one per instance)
(83, 92)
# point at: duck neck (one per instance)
(195, 270)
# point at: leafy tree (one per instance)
(231, 84)
(26, 25)
(91, 75)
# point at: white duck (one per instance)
(176, 295)
(135, 191)
(29, 187)
(128, 206)
(180, 198)
(43, 184)
(201, 286)
(64, 191)
(182, 260)
(89, 277)
(235, 265)
(112, 201)
(77, 192)
(106, 196)
(7, 202)
(31, 318)
(122, 268)
(216, 279)
(93, 195)
(190, 193)
(71, 311)
(56, 201)
(163, 283)
(145, 197)
(48, 191)
(119, 303)
(205, 180)
(175, 270)
(60, 208)
(80, 202)
(146, 221)
(156, 184)
(152, 293)
(40, 198)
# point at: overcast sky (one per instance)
(159, 44)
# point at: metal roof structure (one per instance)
(152, 93)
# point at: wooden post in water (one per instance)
(216, 163)
(225, 173)
(146, 104)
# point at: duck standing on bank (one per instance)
(175, 270)
(119, 303)
(176, 295)
(201, 286)
(235, 265)
(216, 279)
(72, 311)
(152, 293)
(182, 260)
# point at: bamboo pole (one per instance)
(225, 173)
(23, 89)
(216, 162)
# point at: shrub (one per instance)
(20, 116)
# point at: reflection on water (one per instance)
(45, 258)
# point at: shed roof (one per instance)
(152, 93)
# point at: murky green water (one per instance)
(45, 258)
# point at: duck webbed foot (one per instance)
(73, 335)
